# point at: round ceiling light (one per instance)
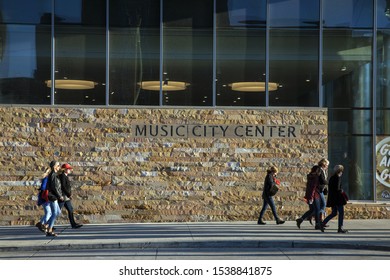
(253, 86)
(166, 86)
(72, 84)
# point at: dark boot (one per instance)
(261, 222)
(322, 222)
(40, 226)
(320, 226)
(299, 222)
(341, 230)
(279, 221)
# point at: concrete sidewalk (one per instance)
(363, 235)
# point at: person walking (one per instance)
(323, 164)
(269, 182)
(55, 195)
(42, 225)
(312, 196)
(336, 198)
(67, 193)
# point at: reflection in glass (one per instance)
(383, 69)
(383, 83)
(347, 80)
(348, 14)
(383, 13)
(294, 68)
(188, 51)
(293, 52)
(24, 51)
(355, 154)
(80, 50)
(134, 51)
(353, 121)
(241, 53)
(383, 122)
(294, 13)
(347, 68)
(25, 12)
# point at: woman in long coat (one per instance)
(336, 199)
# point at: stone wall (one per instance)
(122, 177)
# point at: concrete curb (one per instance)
(202, 244)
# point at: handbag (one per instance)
(274, 188)
(344, 197)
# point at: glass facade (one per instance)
(347, 89)
(134, 52)
(80, 51)
(210, 53)
(240, 52)
(295, 24)
(187, 52)
(25, 51)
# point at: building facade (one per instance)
(172, 110)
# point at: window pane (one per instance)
(241, 53)
(25, 11)
(294, 13)
(187, 52)
(134, 51)
(80, 52)
(294, 52)
(25, 51)
(383, 13)
(355, 13)
(383, 69)
(355, 154)
(383, 122)
(383, 83)
(294, 67)
(351, 121)
(347, 68)
(347, 83)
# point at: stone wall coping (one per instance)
(369, 204)
(227, 108)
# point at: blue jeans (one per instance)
(323, 204)
(314, 210)
(55, 212)
(268, 200)
(47, 210)
(336, 209)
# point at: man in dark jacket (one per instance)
(67, 192)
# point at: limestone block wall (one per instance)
(202, 164)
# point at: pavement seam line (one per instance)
(189, 229)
